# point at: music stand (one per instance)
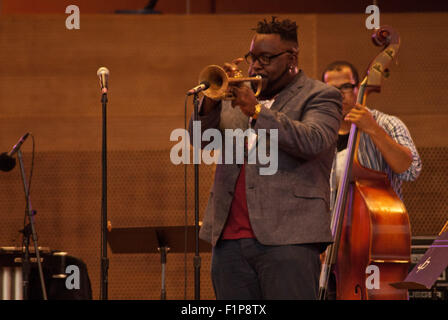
(430, 266)
(162, 239)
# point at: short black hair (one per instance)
(338, 65)
(287, 29)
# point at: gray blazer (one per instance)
(292, 205)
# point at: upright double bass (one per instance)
(370, 224)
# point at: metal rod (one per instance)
(104, 259)
(197, 258)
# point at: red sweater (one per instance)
(238, 224)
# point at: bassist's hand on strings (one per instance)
(363, 119)
(397, 156)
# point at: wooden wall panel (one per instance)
(48, 86)
(157, 56)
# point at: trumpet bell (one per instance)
(219, 82)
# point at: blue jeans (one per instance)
(244, 269)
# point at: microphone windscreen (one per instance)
(206, 84)
(102, 70)
(7, 163)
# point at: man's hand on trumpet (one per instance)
(244, 96)
(232, 68)
(245, 99)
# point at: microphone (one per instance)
(18, 144)
(7, 162)
(204, 85)
(103, 74)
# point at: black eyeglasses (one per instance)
(264, 59)
(346, 87)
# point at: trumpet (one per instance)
(219, 82)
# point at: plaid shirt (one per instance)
(370, 157)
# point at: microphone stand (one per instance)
(104, 259)
(197, 258)
(27, 230)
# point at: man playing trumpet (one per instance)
(267, 231)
